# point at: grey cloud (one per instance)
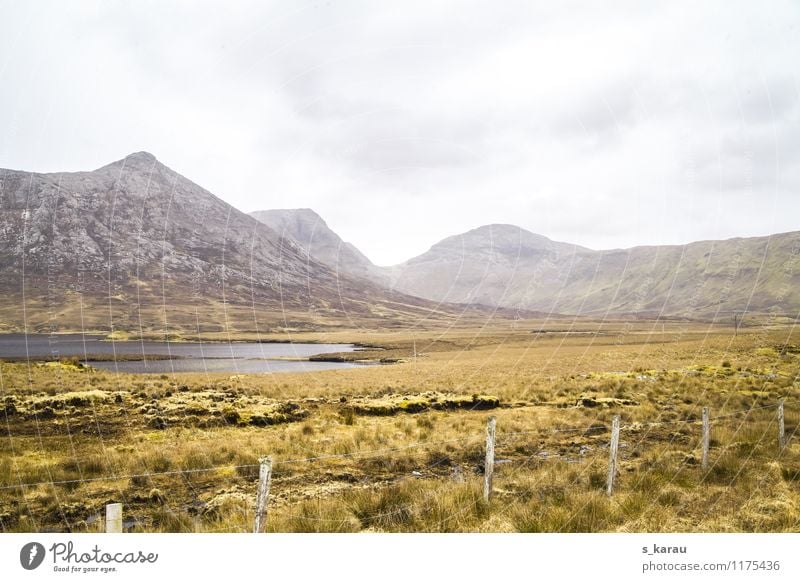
(771, 101)
(571, 120)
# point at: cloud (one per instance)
(407, 122)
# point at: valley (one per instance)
(399, 447)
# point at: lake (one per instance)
(172, 357)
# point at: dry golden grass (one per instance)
(88, 438)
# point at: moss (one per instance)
(373, 409)
(231, 415)
(196, 409)
(261, 420)
(45, 413)
(78, 399)
(390, 404)
(483, 402)
(70, 364)
(157, 422)
(191, 420)
(278, 414)
(412, 405)
(8, 406)
(587, 401)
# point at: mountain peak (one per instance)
(495, 235)
(145, 159)
(141, 156)
(506, 229)
(293, 213)
(138, 160)
(308, 230)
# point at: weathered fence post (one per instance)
(114, 518)
(706, 437)
(262, 497)
(488, 467)
(781, 427)
(612, 457)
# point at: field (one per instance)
(399, 446)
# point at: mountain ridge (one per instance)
(311, 233)
(507, 266)
(134, 244)
(576, 280)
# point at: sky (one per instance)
(402, 123)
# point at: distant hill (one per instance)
(307, 229)
(491, 265)
(134, 245)
(508, 266)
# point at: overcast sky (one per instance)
(405, 122)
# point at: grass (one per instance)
(400, 447)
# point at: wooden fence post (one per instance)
(706, 437)
(612, 457)
(488, 467)
(781, 427)
(114, 518)
(262, 497)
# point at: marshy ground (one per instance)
(400, 447)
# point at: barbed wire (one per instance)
(373, 452)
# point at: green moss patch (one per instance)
(589, 401)
(78, 399)
(395, 404)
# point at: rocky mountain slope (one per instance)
(310, 232)
(491, 265)
(507, 266)
(511, 267)
(135, 245)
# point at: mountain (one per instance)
(309, 231)
(506, 266)
(134, 245)
(491, 265)
(503, 265)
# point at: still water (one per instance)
(167, 357)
